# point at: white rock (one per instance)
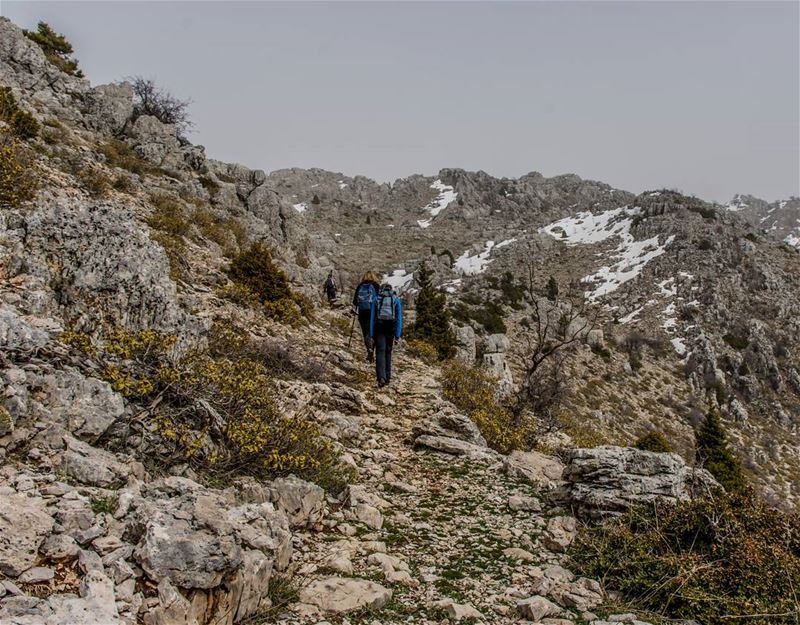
(341, 595)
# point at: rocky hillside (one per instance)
(175, 450)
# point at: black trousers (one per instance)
(363, 321)
(384, 341)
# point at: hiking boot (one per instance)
(382, 383)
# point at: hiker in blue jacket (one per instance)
(386, 327)
(364, 298)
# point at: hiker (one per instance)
(364, 297)
(386, 327)
(330, 289)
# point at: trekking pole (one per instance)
(352, 325)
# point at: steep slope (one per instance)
(155, 415)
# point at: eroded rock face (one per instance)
(109, 107)
(102, 261)
(303, 502)
(607, 480)
(195, 538)
(24, 525)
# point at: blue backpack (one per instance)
(365, 295)
(385, 310)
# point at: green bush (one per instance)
(18, 172)
(552, 289)
(169, 215)
(22, 124)
(56, 48)
(432, 321)
(257, 279)
(737, 342)
(94, 181)
(653, 441)
(120, 154)
(717, 561)
(254, 269)
(713, 453)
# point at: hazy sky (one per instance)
(703, 97)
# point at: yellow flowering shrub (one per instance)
(214, 409)
(474, 391)
(423, 350)
(18, 173)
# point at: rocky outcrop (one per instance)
(603, 481)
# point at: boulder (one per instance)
(156, 142)
(539, 469)
(537, 607)
(341, 594)
(90, 465)
(109, 107)
(24, 525)
(85, 407)
(450, 425)
(303, 502)
(457, 447)
(200, 540)
(465, 344)
(607, 480)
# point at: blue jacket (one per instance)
(398, 316)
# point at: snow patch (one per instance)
(442, 201)
(737, 204)
(301, 207)
(399, 279)
(504, 243)
(475, 264)
(342, 184)
(679, 345)
(452, 286)
(629, 258)
(631, 316)
(793, 240)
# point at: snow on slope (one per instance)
(446, 195)
(475, 264)
(737, 204)
(793, 240)
(628, 259)
(399, 279)
(301, 207)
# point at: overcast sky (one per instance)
(703, 97)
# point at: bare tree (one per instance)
(150, 99)
(554, 328)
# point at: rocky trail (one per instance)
(428, 535)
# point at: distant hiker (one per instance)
(330, 289)
(365, 295)
(386, 327)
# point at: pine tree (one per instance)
(432, 321)
(55, 47)
(713, 452)
(552, 289)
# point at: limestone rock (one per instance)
(540, 469)
(109, 107)
(340, 595)
(303, 502)
(607, 480)
(536, 608)
(24, 525)
(447, 424)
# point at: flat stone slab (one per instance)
(345, 594)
